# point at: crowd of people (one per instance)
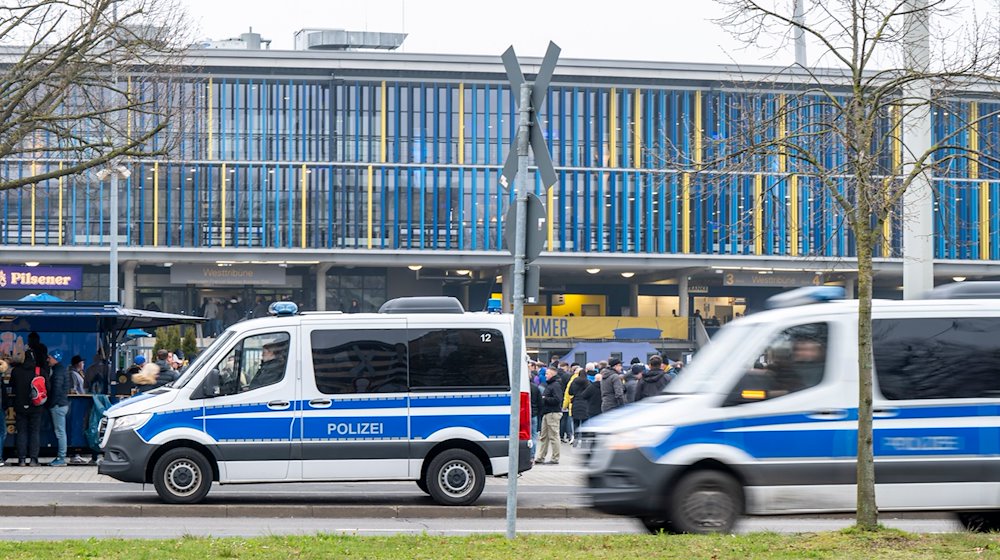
(147, 376)
(31, 398)
(564, 396)
(222, 314)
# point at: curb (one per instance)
(305, 511)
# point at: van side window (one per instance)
(794, 360)
(464, 359)
(359, 361)
(937, 358)
(257, 361)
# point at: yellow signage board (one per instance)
(605, 328)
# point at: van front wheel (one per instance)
(706, 502)
(422, 485)
(455, 477)
(182, 476)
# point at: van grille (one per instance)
(102, 428)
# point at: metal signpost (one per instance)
(532, 96)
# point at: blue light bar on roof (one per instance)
(805, 296)
(283, 308)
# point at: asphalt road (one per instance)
(59, 528)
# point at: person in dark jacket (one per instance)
(95, 377)
(4, 383)
(552, 400)
(612, 386)
(535, 397)
(29, 416)
(654, 380)
(581, 406)
(167, 374)
(272, 364)
(631, 379)
(39, 353)
(593, 397)
(58, 403)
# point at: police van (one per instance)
(419, 391)
(764, 420)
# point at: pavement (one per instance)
(63, 486)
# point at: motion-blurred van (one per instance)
(764, 420)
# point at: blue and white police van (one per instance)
(764, 420)
(419, 391)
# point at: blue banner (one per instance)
(40, 277)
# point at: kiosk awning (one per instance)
(76, 316)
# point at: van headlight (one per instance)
(130, 422)
(646, 436)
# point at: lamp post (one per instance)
(114, 172)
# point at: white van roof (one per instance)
(879, 306)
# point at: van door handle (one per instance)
(829, 414)
(885, 412)
(278, 405)
(320, 403)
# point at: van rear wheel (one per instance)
(455, 477)
(182, 476)
(706, 502)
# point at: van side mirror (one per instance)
(210, 387)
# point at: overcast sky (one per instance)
(665, 30)
(661, 30)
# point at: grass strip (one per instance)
(846, 544)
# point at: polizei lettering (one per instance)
(355, 429)
(927, 443)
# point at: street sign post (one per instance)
(531, 96)
(534, 228)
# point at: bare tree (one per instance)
(81, 83)
(855, 108)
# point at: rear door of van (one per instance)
(936, 409)
(459, 384)
(355, 423)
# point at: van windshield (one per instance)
(708, 365)
(202, 358)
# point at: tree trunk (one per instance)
(867, 516)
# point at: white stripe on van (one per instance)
(880, 423)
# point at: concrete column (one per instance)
(918, 201)
(799, 17)
(465, 297)
(682, 292)
(849, 286)
(633, 299)
(321, 270)
(129, 296)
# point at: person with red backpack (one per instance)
(27, 408)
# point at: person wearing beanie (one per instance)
(631, 378)
(77, 386)
(612, 386)
(58, 402)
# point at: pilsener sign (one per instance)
(40, 277)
